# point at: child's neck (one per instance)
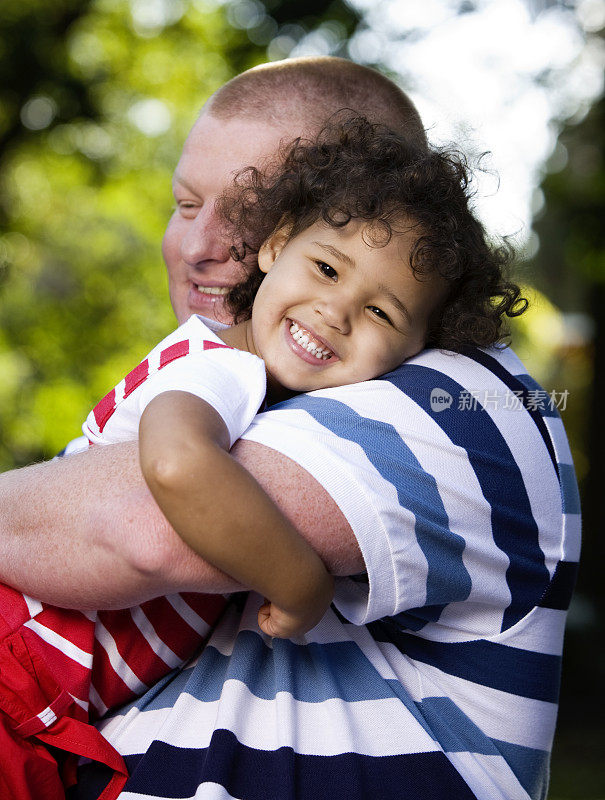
(240, 337)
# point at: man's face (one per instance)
(200, 270)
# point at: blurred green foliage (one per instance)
(96, 99)
(90, 138)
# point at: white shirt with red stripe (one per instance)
(191, 359)
(106, 658)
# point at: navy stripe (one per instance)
(514, 528)
(448, 579)
(559, 591)
(516, 385)
(498, 666)
(282, 774)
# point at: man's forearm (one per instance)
(84, 531)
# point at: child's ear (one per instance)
(272, 247)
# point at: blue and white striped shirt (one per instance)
(436, 673)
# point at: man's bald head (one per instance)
(306, 92)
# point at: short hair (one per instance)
(312, 89)
(358, 170)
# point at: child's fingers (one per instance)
(282, 628)
(267, 624)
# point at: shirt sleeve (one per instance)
(441, 499)
(231, 381)
(191, 359)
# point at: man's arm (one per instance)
(84, 531)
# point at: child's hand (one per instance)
(283, 624)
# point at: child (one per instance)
(358, 251)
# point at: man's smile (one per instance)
(212, 289)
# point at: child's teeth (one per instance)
(305, 341)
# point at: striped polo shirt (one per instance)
(435, 673)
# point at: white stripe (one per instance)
(118, 729)
(500, 715)
(96, 701)
(120, 389)
(541, 631)
(121, 668)
(207, 791)
(185, 611)
(61, 643)
(33, 606)
(489, 777)
(331, 727)
(82, 703)
(47, 717)
(556, 429)
(159, 647)
(572, 540)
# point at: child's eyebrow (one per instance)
(395, 300)
(334, 251)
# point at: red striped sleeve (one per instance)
(208, 345)
(104, 409)
(136, 377)
(177, 350)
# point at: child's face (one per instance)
(334, 310)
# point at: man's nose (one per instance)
(204, 239)
(335, 313)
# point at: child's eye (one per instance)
(326, 270)
(378, 312)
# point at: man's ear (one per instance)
(272, 247)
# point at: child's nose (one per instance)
(335, 314)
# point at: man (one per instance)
(445, 493)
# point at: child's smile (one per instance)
(306, 344)
(334, 310)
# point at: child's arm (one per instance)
(220, 511)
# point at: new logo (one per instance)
(440, 399)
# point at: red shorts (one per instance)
(37, 713)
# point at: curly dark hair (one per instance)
(359, 170)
